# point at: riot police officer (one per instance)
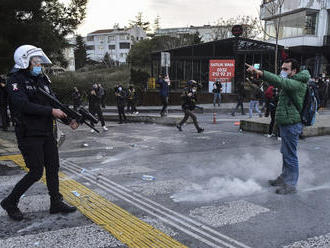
(189, 97)
(33, 118)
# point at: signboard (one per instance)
(165, 59)
(223, 71)
(237, 30)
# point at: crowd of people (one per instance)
(281, 96)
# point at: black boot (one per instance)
(58, 206)
(179, 127)
(277, 182)
(12, 209)
(200, 130)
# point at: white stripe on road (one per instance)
(179, 221)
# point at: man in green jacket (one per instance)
(292, 85)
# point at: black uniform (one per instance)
(76, 99)
(95, 107)
(189, 103)
(131, 100)
(4, 106)
(121, 102)
(33, 121)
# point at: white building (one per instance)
(304, 29)
(115, 42)
(207, 32)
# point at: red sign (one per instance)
(222, 70)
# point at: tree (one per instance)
(139, 22)
(43, 23)
(80, 53)
(107, 60)
(197, 39)
(275, 8)
(157, 24)
(251, 27)
(140, 53)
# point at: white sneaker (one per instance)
(92, 131)
(268, 135)
(105, 128)
(279, 138)
(136, 113)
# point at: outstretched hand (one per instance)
(254, 71)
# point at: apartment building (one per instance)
(207, 32)
(303, 28)
(116, 42)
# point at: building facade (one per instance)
(207, 32)
(116, 42)
(303, 28)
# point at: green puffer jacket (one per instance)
(291, 89)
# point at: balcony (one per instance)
(269, 9)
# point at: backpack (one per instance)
(269, 92)
(310, 106)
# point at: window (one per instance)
(90, 38)
(124, 45)
(111, 38)
(100, 48)
(294, 25)
(124, 37)
(123, 55)
(90, 47)
(112, 47)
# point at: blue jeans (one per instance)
(290, 169)
(216, 96)
(254, 105)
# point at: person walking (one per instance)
(217, 89)
(121, 102)
(76, 97)
(34, 118)
(292, 84)
(252, 89)
(240, 100)
(189, 97)
(94, 101)
(163, 92)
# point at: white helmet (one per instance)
(24, 53)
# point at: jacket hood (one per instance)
(302, 76)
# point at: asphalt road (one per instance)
(209, 189)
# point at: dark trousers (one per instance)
(239, 103)
(4, 117)
(121, 113)
(188, 113)
(164, 100)
(38, 152)
(131, 106)
(272, 123)
(100, 117)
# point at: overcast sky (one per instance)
(103, 14)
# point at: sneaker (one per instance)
(136, 113)
(179, 127)
(286, 189)
(279, 138)
(269, 135)
(105, 128)
(277, 182)
(92, 131)
(12, 210)
(200, 130)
